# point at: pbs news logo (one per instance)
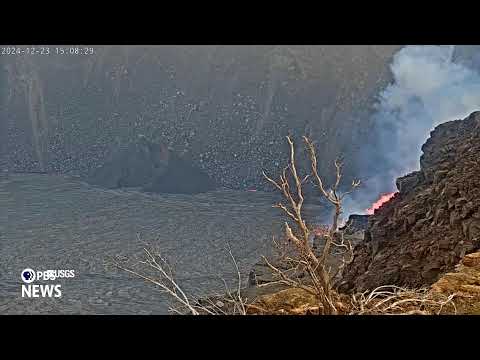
(43, 290)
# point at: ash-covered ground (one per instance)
(57, 222)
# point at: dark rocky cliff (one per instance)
(432, 222)
(226, 108)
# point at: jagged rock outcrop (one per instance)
(432, 222)
(355, 223)
(153, 167)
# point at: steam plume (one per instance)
(429, 88)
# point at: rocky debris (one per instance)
(432, 222)
(152, 167)
(229, 107)
(464, 282)
(354, 229)
(408, 182)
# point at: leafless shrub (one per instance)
(390, 299)
(231, 302)
(318, 267)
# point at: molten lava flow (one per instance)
(378, 204)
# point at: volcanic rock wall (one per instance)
(226, 108)
(432, 222)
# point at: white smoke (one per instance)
(429, 88)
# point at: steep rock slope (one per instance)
(432, 222)
(227, 108)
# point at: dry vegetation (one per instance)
(398, 300)
(157, 271)
(318, 267)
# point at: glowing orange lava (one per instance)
(378, 204)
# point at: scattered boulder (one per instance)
(434, 220)
(408, 182)
(152, 167)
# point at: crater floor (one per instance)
(58, 222)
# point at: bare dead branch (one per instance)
(167, 283)
(239, 303)
(397, 300)
(318, 268)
